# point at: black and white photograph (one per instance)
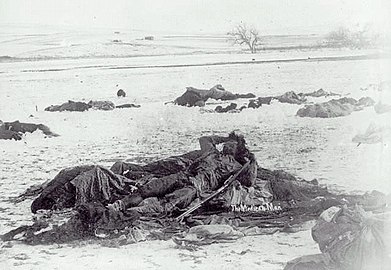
(195, 134)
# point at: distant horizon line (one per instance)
(297, 32)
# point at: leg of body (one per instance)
(180, 198)
(156, 187)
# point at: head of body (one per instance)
(236, 147)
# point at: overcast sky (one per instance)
(208, 16)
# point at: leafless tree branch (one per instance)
(245, 35)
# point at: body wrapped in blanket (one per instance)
(175, 181)
(128, 194)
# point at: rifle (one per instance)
(227, 183)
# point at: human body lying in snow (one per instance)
(349, 238)
(177, 179)
(15, 130)
(205, 174)
(129, 193)
(198, 97)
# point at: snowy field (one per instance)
(308, 148)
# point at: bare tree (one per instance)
(246, 35)
(344, 37)
(339, 38)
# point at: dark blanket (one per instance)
(281, 198)
(82, 184)
(73, 106)
(198, 97)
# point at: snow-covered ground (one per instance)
(308, 148)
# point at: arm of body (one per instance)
(249, 175)
(208, 143)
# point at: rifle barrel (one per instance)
(227, 183)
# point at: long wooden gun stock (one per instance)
(227, 183)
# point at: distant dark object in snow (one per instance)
(248, 95)
(230, 108)
(319, 93)
(102, 105)
(73, 106)
(121, 93)
(347, 100)
(256, 103)
(334, 108)
(14, 130)
(291, 98)
(9, 135)
(365, 102)
(149, 38)
(198, 97)
(131, 105)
